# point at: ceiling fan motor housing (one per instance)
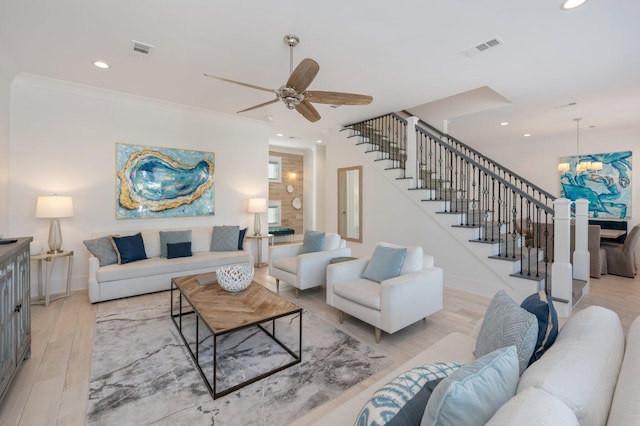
(289, 96)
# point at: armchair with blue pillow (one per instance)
(395, 288)
(304, 265)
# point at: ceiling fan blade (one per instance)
(308, 111)
(336, 98)
(260, 106)
(240, 83)
(303, 75)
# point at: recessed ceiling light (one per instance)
(504, 123)
(526, 135)
(101, 64)
(571, 4)
(319, 141)
(279, 134)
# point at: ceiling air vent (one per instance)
(142, 48)
(496, 41)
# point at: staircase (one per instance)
(506, 220)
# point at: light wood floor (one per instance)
(51, 388)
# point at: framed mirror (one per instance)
(350, 203)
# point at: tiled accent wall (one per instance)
(290, 217)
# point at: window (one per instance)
(275, 169)
(274, 213)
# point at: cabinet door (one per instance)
(8, 350)
(23, 298)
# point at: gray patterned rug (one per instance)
(142, 374)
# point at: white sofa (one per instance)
(393, 303)
(587, 377)
(155, 273)
(307, 270)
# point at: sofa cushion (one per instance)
(361, 291)
(534, 406)
(288, 264)
(625, 409)
(385, 263)
(157, 265)
(505, 324)
(582, 366)
(313, 241)
(129, 249)
(175, 250)
(542, 307)
(103, 250)
(402, 400)
(225, 238)
(472, 394)
(170, 237)
(413, 261)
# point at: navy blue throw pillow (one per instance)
(179, 250)
(542, 307)
(129, 248)
(241, 238)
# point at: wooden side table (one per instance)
(259, 263)
(45, 287)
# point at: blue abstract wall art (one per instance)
(163, 182)
(608, 190)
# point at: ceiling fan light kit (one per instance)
(294, 93)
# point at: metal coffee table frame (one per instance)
(212, 386)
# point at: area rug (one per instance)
(142, 374)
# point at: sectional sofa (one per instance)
(589, 376)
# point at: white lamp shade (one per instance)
(563, 167)
(257, 205)
(54, 206)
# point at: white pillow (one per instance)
(414, 260)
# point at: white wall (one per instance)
(63, 141)
(4, 152)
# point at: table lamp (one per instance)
(257, 206)
(54, 207)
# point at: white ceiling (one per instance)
(404, 53)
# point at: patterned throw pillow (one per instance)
(506, 324)
(542, 307)
(103, 250)
(225, 238)
(402, 401)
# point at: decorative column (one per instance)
(581, 256)
(412, 152)
(561, 270)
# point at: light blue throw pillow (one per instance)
(313, 241)
(473, 393)
(225, 238)
(403, 399)
(506, 323)
(172, 237)
(103, 250)
(385, 263)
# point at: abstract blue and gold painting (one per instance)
(608, 190)
(157, 182)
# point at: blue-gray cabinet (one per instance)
(15, 311)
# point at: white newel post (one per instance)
(412, 151)
(561, 271)
(581, 257)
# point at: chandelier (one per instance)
(581, 166)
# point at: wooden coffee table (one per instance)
(223, 312)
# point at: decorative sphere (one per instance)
(236, 277)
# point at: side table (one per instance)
(45, 287)
(259, 239)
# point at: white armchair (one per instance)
(306, 270)
(393, 303)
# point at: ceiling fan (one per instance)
(294, 94)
